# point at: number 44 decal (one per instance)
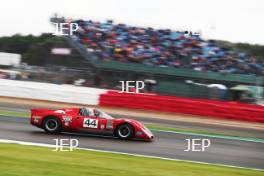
(90, 123)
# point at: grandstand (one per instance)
(123, 52)
(161, 47)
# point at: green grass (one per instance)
(14, 114)
(19, 160)
(157, 127)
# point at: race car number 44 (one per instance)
(90, 123)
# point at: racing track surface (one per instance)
(213, 128)
(169, 145)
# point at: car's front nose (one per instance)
(149, 134)
(145, 134)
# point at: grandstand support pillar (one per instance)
(259, 85)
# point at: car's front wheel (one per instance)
(52, 125)
(125, 131)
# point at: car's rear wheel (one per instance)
(125, 131)
(52, 125)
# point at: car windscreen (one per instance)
(103, 115)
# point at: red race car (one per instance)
(88, 120)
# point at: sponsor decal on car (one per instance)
(109, 125)
(66, 120)
(36, 119)
(139, 133)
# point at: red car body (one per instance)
(88, 120)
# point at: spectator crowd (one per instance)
(162, 47)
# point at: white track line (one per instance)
(122, 153)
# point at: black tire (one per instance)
(52, 125)
(125, 131)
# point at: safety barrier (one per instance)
(211, 108)
(50, 92)
(102, 97)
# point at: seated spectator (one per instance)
(161, 47)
